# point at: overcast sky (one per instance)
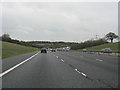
(59, 21)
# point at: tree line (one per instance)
(7, 38)
(36, 44)
(89, 43)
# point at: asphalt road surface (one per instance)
(60, 70)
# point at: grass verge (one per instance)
(10, 49)
(112, 46)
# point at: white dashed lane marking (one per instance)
(83, 74)
(80, 72)
(99, 60)
(56, 56)
(62, 60)
(77, 71)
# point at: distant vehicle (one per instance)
(84, 49)
(53, 50)
(43, 50)
(63, 49)
(106, 50)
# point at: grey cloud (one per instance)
(59, 21)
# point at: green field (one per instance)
(10, 49)
(112, 46)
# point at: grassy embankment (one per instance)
(112, 46)
(10, 49)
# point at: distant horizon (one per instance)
(59, 21)
(115, 40)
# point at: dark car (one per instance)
(43, 51)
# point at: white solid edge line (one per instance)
(7, 71)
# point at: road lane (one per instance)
(109, 63)
(12, 61)
(46, 71)
(17, 65)
(106, 73)
(59, 70)
(107, 59)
